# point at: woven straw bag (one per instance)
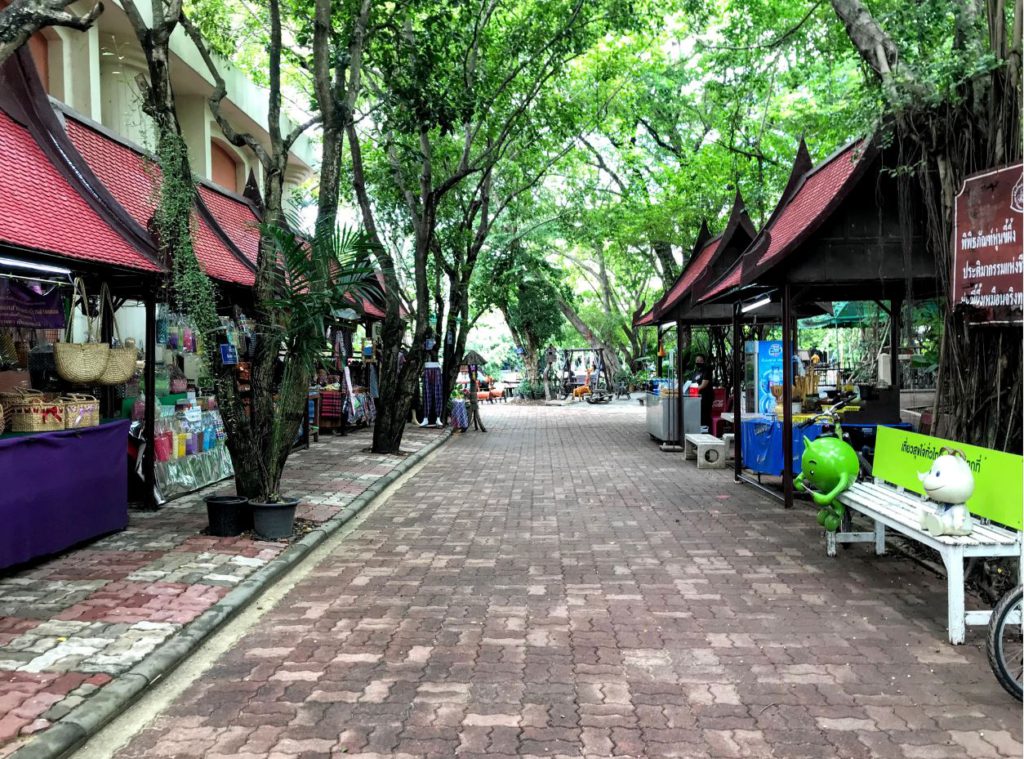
(10, 398)
(33, 413)
(80, 411)
(120, 361)
(81, 363)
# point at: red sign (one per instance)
(988, 233)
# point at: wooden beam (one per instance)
(787, 396)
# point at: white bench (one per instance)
(707, 449)
(894, 507)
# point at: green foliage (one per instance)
(318, 275)
(523, 287)
(193, 292)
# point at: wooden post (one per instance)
(787, 396)
(680, 414)
(737, 374)
(150, 399)
(895, 329)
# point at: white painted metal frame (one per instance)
(896, 508)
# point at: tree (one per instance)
(949, 77)
(23, 18)
(452, 97)
(526, 290)
(297, 282)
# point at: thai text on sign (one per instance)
(987, 245)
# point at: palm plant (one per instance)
(314, 277)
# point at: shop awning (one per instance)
(50, 203)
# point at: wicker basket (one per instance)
(10, 398)
(80, 411)
(120, 361)
(32, 413)
(81, 363)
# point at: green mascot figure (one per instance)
(828, 467)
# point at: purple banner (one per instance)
(28, 304)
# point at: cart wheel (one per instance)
(1005, 649)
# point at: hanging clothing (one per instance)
(432, 401)
(374, 382)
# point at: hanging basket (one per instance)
(34, 414)
(80, 411)
(81, 363)
(121, 361)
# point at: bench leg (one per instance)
(879, 539)
(830, 544)
(954, 560)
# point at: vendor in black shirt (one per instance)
(701, 377)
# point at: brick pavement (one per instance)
(71, 624)
(558, 587)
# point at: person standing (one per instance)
(701, 377)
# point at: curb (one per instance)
(71, 731)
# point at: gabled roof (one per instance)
(687, 277)
(43, 212)
(51, 201)
(728, 281)
(646, 319)
(133, 179)
(236, 217)
(808, 202)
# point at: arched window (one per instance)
(223, 167)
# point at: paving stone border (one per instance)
(71, 731)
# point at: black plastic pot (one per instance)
(273, 520)
(229, 515)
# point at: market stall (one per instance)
(835, 234)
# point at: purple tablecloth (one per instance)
(60, 488)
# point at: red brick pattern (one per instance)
(71, 624)
(558, 587)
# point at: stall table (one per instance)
(761, 441)
(61, 488)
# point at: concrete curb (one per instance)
(70, 732)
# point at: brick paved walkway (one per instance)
(558, 587)
(69, 625)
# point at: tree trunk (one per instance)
(610, 357)
(663, 252)
(23, 18)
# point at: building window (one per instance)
(224, 167)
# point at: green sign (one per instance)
(998, 477)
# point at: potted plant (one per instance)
(313, 277)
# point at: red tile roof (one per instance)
(646, 319)
(132, 179)
(369, 309)
(237, 220)
(43, 212)
(693, 269)
(730, 280)
(809, 206)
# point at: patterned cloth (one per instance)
(331, 404)
(431, 394)
(459, 419)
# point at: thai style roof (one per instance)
(133, 178)
(73, 189)
(810, 199)
(53, 203)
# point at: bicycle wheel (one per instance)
(1005, 648)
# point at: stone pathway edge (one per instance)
(74, 729)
